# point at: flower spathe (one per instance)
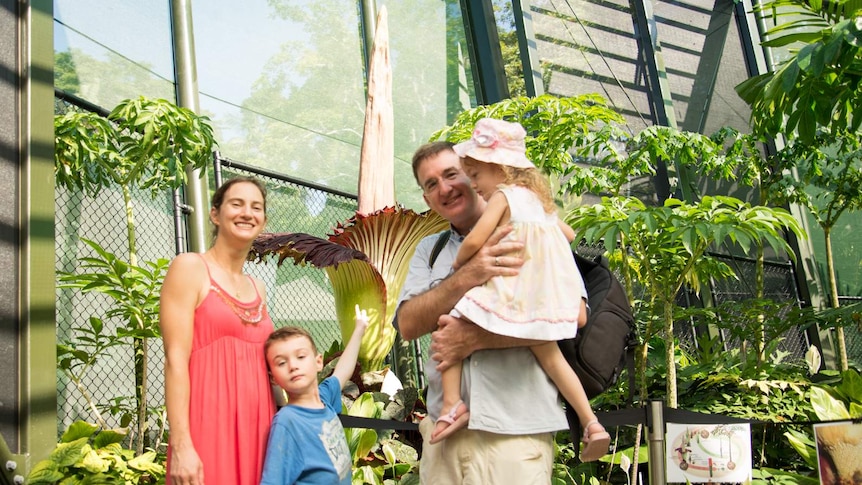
(366, 259)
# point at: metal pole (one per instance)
(185, 71)
(28, 391)
(656, 443)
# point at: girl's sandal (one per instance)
(454, 422)
(596, 443)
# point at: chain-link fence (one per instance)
(779, 285)
(109, 383)
(297, 295)
(853, 333)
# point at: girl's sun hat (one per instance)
(496, 141)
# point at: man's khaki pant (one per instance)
(470, 457)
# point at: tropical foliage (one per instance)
(813, 100)
(144, 144)
(666, 249)
(817, 87)
(87, 454)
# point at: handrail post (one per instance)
(656, 442)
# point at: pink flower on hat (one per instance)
(496, 141)
(485, 140)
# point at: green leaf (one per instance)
(44, 472)
(108, 437)
(804, 445)
(78, 430)
(147, 463)
(70, 452)
(827, 407)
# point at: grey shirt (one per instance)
(506, 389)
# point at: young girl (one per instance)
(537, 304)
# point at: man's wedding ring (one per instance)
(496, 261)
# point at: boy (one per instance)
(306, 440)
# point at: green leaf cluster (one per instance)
(143, 142)
(818, 86)
(86, 455)
(379, 460)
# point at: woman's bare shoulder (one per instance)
(187, 268)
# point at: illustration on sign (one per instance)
(708, 453)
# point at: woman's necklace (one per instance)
(248, 314)
(232, 277)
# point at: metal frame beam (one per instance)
(527, 47)
(185, 72)
(483, 42)
(36, 417)
(658, 89)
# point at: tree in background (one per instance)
(144, 144)
(813, 100)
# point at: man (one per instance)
(514, 406)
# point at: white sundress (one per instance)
(543, 301)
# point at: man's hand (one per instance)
(418, 315)
(456, 339)
(453, 341)
(498, 257)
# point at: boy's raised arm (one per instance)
(347, 361)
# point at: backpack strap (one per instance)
(442, 239)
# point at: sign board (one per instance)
(708, 453)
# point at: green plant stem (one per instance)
(130, 226)
(670, 354)
(139, 345)
(635, 455)
(833, 296)
(88, 398)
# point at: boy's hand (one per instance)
(360, 320)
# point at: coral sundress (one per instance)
(230, 403)
(542, 302)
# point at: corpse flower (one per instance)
(367, 257)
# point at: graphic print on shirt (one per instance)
(332, 437)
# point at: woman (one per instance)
(214, 323)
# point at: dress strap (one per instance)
(207, 266)
(253, 285)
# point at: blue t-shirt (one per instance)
(308, 446)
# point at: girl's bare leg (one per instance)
(554, 364)
(454, 414)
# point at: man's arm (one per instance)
(418, 315)
(456, 339)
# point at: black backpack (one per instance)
(605, 345)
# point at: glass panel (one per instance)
(110, 51)
(586, 47)
(704, 61)
(845, 252)
(284, 84)
(507, 32)
(431, 80)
